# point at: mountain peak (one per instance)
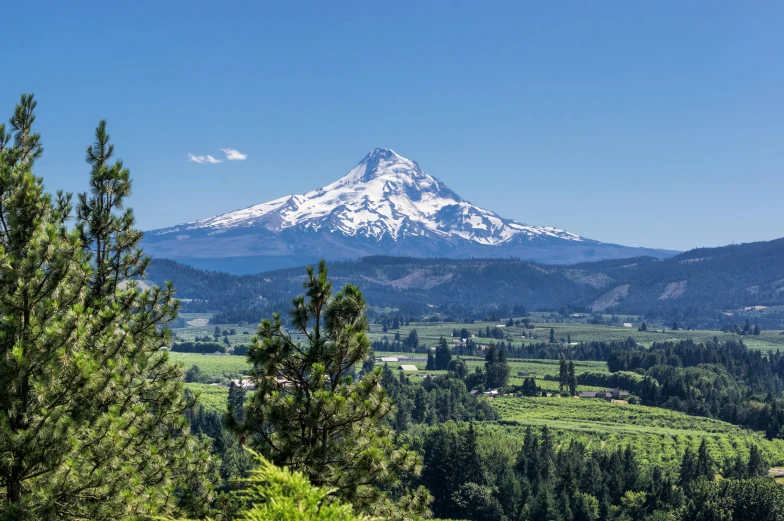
(377, 163)
(384, 197)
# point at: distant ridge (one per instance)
(384, 205)
(706, 288)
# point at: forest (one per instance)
(681, 289)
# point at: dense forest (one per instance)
(722, 380)
(696, 288)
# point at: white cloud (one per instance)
(203, 159)
(234, 155)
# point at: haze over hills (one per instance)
(698, 287)
(386, 205)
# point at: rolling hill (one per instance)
(700, 285)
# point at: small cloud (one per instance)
(234, 155)
(203, 159)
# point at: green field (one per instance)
(429, 334)
(197, 324)
(218, 367)
(536, 368)
(211, 397)
(660, 435)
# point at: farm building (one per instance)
(389, 359)
(407, 367)
(612, 394)
(627, 324)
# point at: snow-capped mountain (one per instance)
(384, 205)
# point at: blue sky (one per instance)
(658, 124)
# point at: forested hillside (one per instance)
(708, 288)
(702, 281)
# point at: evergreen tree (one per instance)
(443, 355)
(757, 466)
(552, 335)
(470, 462)
(688, 471)
(572, 379)
(529, 387)
(439, 469)
(704, 463)
(309, 413)
(412, 340)
(546, 469)
(496, 367)
(431, 362)
(757, 330)
(236, 403)
(563, 373)
(93, 423)
(273, 493)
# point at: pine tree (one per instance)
(563, 373)
(552, 335)
(93, 423)
(431, 362)
(688, 471)
(443, 355)
(236, 403)
(704, 463)
(546, 455)
(572, 379)
(757, 466)
(496, 367)
(308, 413)
(470, 463)
(440, 469)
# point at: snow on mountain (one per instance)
(385, 195)
(386, 205)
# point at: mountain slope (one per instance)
(384, 205)
(698, 288)
(725, 278)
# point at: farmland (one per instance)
(660, 435)
(197, 324)
(429, 333)
(218, 367)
